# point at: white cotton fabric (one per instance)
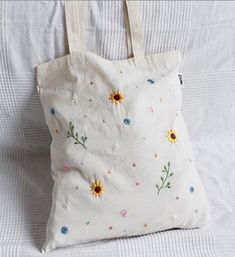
(33, 32)
(136, 150)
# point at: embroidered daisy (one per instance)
(116, 97)
(97, 188)
(171, 135)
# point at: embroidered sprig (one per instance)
(81, 141)
(167, 175)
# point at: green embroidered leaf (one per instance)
(70, 133)
(167, 175)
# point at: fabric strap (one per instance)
(76, 13)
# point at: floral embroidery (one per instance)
(167, 174)
(116, 147)
(74, 99)
(171, 135)
(123, 213)
(150, 81)
(81, 141)
(116, 97)
(53, 111)
(64, 230)
(97, 188)
(127, 121)
(110, 227)
(191, 189)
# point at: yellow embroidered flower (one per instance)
(97, 188)
(116, 97)
(171, 135)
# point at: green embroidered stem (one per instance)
(81, 141)
(166, 170)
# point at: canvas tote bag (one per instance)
(121, 158)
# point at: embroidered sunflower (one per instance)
(116, 97)
(97, 188)
(171, 135)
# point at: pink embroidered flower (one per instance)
(123, 213)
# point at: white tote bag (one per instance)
(121, 158)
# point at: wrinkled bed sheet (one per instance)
(34, 32)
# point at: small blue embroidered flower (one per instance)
(191, 189)
(53, 111)
(127, 121)
(150, 81)
(64, 230)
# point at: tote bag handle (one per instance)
(76, 13)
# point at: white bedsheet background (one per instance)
(34, 32)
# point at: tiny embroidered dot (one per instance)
(76, 187)
(191, 189)
(156, 155)
(127, 121)
(177, 198)
(87, 222)
(150, 81)
(53, 111)
(196, 211)
(133, 165)
(145, 225)
(90, 100)
(163, 75)
(174, 217)
(144, 138)
(64, 230)
(137, 183)
(190, 160)
(66, 168)
(177, 114)
(123, 213)
(56, 131)
(85, 116)
(160, 99)
(109, 172)
(81, 163)
(137, 87)
(91, 83)
(152, 109)
(103, 121)
(110, 228)
(121, 71)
